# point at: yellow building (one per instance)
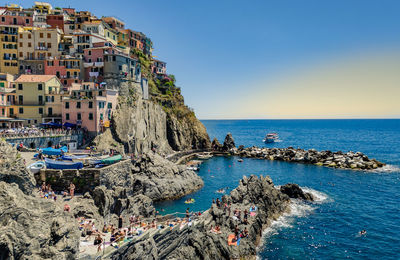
(9, 49)
(111, 34)
(38, 43)
(38, 98)
(43, 8)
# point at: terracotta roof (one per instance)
(34, 78)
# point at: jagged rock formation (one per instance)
(161, 179)
(229, 142)
(216, 145)
(13, 170)
(197, 242)
(33, 228)
(294, 191)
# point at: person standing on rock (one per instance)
(71, 190)
(120, 222)
(187, 213)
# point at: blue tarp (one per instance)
(52, 151)
(67, 124)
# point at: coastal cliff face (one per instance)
(140, 125)
(197, 242)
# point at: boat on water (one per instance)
(271, 138)
(36, 166)
(63, 165)
(193, 168)
(112, 159)
(204, 156)
(189, 201)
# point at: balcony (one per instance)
(9, 33)
(93, 64)
(41, 48)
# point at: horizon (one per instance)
(238, 119)
(272, 60)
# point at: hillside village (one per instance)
(60, 67)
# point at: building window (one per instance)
(49, 35)
(79, 116)
(3, 19)
(90, 104)
(41, 35)
(40, 87)
(40, 110)
(90, 116)
(29, 36)
(49, 45)
(20, 87)
(67, 116)
(52, 98)
(109, 105)
(40, 99)
(66, 105)
(21, 110)
(89, 52)
(29, 44)
(100, 93)
(27, 21)
(21, 99)
(50, 111)
(21, 54)
(20, 44)
(78, 104)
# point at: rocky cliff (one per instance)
(198, 242)
(140, 125)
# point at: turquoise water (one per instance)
(350, 200)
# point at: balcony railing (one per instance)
(41, 48)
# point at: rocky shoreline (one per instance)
(199, 241)
(342, 160)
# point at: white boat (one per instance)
(204, 156)
(192, 168)
(271, 138)
(36, 166)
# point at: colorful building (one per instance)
(121, 67)
(38, 98)
(38, 43)
(159, 68)
(15, 15)
(68, 69)
(9, 49)
(89, 106)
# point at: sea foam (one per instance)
(298, 209)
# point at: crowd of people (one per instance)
(36, 132)
(240, 216)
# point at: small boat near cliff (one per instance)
(112, 159)
(204, 156)
(63, 165)
(36, 166)
(271, 138)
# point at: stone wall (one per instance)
(84, 179)
(45, 141)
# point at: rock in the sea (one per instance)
(229, 142)
(13, 169)
(294, 191)
(216, 145)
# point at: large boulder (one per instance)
(160, 179)
(294, 191)
(13, 169)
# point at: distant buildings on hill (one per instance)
(55, 62)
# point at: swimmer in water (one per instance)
(363, 232)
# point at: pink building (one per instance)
(68, 70)
(16, 16)
(89, 106)
(159, 68)
(94, 60)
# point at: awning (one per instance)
(67, 124)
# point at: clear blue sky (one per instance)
(224, 52)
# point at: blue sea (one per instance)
(348, 201)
